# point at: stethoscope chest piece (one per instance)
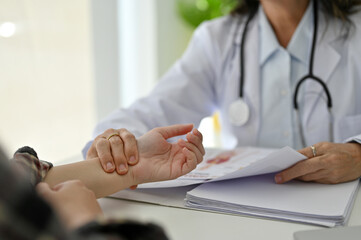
(238, 112)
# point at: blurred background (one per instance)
(66, 64)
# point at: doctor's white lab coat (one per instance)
(206, 79)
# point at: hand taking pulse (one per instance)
(119, 147)
(116, 148)
(327, 163)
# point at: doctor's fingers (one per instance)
(319, 176)
(196, 138)
(118, 155)
(92, 152)
(193, 148)
(302, 168)
(123, 150)
(130, 146)
(320, 149)
(102, 147)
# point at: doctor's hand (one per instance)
(116, 149)
(161, 160)
(333, 163)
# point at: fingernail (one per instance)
(122, 168)
(278, 179)
(132, 160)
(109, 166)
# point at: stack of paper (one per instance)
(320, 204)
(240, 181)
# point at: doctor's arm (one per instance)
(332, 163)
(158, 160)
(185, 94)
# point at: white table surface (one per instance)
(181, 224)
(188, 224)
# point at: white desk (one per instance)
(182, 224)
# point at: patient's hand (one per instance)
(161, 160)
(75, 204)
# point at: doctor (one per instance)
(247, 66)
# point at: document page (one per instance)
(228, 164)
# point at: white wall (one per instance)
(152, 36)
(138, 50)
(70, 63)
(46, 86)
(105, 46)
(173, 34)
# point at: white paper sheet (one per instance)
(241, 162)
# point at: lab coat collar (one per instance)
(268, 40)
(329, 46)
(239, 28)
(301, 41)
(327, 41)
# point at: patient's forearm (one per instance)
(92, 175)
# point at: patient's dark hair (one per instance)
(341, 9)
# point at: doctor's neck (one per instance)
(284, 17)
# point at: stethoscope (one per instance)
(239, 109)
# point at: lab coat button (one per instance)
(283, 92)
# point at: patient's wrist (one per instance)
(132, 176)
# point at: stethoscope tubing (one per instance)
(309, 76)
(242, 70)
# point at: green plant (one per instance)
(195, 12)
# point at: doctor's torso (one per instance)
(270, 81)
(206, 79)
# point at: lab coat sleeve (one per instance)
(185, 94)
(354, 139)
(354, 69)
